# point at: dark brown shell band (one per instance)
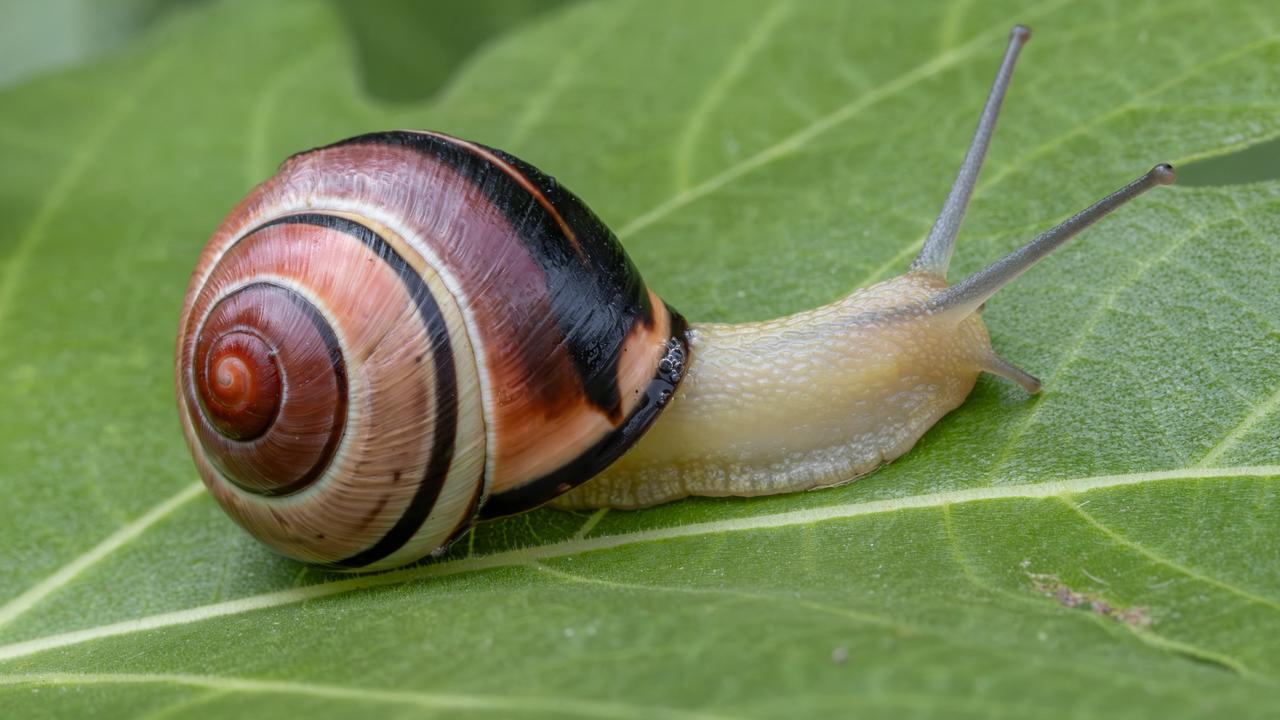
(593, 291)
(611, 446)
(446, 401)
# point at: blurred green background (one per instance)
(406, 49)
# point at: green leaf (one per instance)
(1106, 549)
(407, 49)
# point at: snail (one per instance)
(404, 333)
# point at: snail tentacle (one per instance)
(940, 245)
(968, 295)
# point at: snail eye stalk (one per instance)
(969, 294)
(935, 256)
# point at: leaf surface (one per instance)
(1108, 548)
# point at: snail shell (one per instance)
(403, 333)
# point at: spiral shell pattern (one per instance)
(404, 332)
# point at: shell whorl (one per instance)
(404, 332)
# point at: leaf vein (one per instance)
(1085, 332)
(256, 163)
(1135, 103)
(426, 700)
(69, 572)
(1158, 559)
(72, 174)
(945, 635)
(714, 94)
(1236, 434)
(524, 556)
(541, 102)
(802, 137)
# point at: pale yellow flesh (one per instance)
(809, 400)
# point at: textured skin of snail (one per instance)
(814, 399)
(403, 333)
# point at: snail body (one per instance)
(809, 400)
(404, 333)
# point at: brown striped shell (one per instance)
(402, 333)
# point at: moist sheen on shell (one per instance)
(496, 347)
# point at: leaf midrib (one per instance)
(526, 556)
(426, 700)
